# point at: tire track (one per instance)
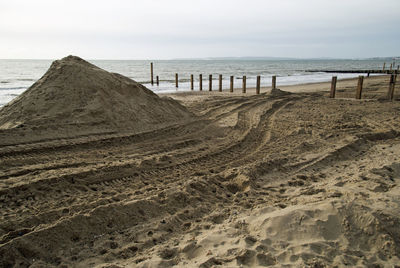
(85, 186)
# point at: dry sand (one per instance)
(297, 180)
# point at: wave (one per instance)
(12, 88)
(26, 79)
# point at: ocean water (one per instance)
(17, 75)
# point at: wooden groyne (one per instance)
(332, 94)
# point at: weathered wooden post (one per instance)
(220, 83)
(191, 82)
(359, 87)
(333, 87)
(157, 81)
(210, 82)
(258, 84)
(176, 80)
(392, 84)
(384, 65)
(151, 73)
(231, 86)
(274, 82)
(391, 66)
(200, 82)
(244, 84)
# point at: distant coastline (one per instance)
(397, 58)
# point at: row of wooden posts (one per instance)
(258, 84)
(244, 79)
(359, 89)
(392, 66)
(392, 84)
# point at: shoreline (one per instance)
(166, 90)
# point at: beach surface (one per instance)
(289, 178)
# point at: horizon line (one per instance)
(223, 58)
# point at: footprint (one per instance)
(265, 259)
(168, 253)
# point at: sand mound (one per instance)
(76, 92)
(279, 92)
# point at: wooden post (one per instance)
(220, 83)
(231, 87)
(244, 84)
(258, 84)
(390, 87)
(151, 73)
(157, 81)
(359, 87)
(210, 82)
(274, 82)
(191, 82)
(392, 84)
(368, 74)
(384, 64)
(333, 87)
(176, 80)
(391, 66)
(200, 82)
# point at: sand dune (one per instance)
(296, 180)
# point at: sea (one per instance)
(18, 75)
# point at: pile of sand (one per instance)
(279, 92)
(74, 92)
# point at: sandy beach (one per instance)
(290, 178)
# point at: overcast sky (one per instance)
(164, 29)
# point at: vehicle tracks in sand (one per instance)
(120, 186)
(80, 192)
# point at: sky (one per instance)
(167, 29)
